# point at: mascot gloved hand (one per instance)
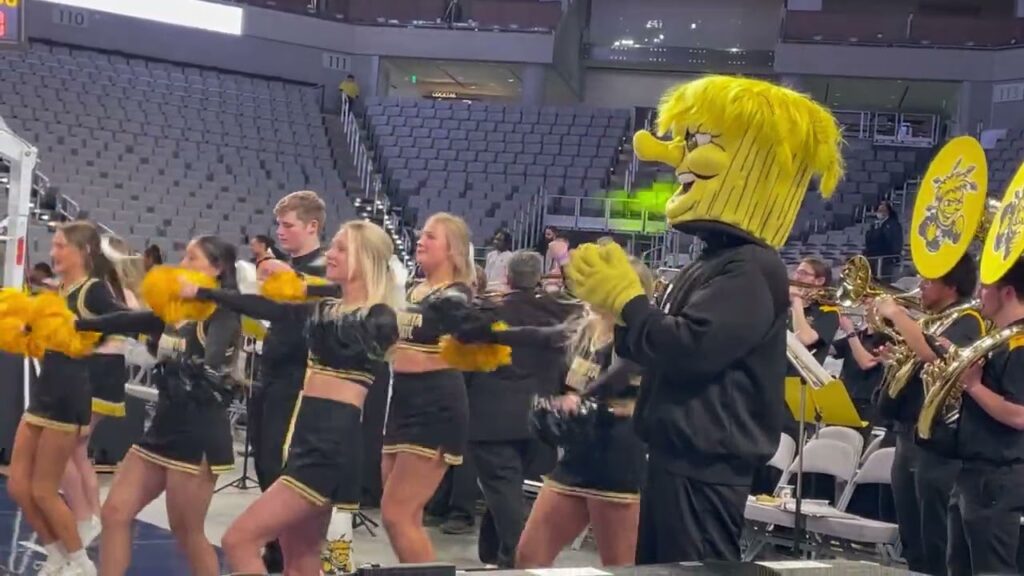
(603, 277)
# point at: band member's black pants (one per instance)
(270, 413)
(984, 520)
(269, 416)
(934, 483)
(684, 520)
(502, 467)
(904, 491)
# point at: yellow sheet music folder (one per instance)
(831, 403)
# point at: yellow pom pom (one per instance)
(13, 336)
(53, 328)
(161, 291)
(284, 286)
(476, 357)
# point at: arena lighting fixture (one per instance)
(188, 13)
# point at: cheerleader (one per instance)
(60, 404)
(107, 376)
(428, 416)
(599, 472)
(189, 440)
(347, 341)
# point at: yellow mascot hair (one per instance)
(790, 123)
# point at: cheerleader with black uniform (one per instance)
(347, 340)
(189, 440)
(107, 376)
(600, 470)
(59, 408)
(428, 415)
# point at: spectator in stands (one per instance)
(263, 249)
(883, 242)
(496, 265)
(349, 89)
(152, 257)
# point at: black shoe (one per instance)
(272, 557)
(431, 521)
(458, 525)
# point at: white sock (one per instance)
(79, 558)
(55, 551)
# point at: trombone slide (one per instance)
(805, 363)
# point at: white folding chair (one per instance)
(844, 435)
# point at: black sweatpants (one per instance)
(934, 483)
(904, 491)
(984, 520)
(270, 414)
(684, 520)
(502, 467)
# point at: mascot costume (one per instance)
(714, 350)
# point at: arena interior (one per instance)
(160, 125)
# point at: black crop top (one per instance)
(90, 297)
(201, 353)
(423, 332)
(350, 345)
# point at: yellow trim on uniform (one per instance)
(432, 453)
(357, 377)
(1016, 342)
(977, 316)
(165, 462)
(606, 496)
(314, 497)
(347, 507)
(105, 408)
(291, 430)
(223, 469)
(829, 309)
(425, 348)
(42, 422)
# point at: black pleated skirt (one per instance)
(324, 453)
(428, 415)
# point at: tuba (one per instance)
(942, 380)
(1001, 250)
(940, 237)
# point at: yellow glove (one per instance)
(603, 277)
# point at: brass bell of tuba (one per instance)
(942, 380)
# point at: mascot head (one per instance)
(744, 152)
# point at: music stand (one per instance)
(246, 482)
(361, 520)
(825, 401)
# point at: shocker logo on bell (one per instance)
(1011, 222)
(944, 220)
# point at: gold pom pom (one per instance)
(476, 357)
(161, 291)
(284, 286)
(15, 313)
(52, 327)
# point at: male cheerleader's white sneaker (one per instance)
(53, 566)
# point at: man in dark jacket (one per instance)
(500, 441)
(883, 242)
(712, 399)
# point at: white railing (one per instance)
(588, 213)
(360, 154)
(527, 225)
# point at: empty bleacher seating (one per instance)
(485, 161)
(159, 152)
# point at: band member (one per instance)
(813, 323)
(985, 515)
(300, 220)
(503, 447)
(712, 403)
(60, 402)
(428, 416)
(862, 367)
(189, 441)
(923, 475)
(347, 340)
